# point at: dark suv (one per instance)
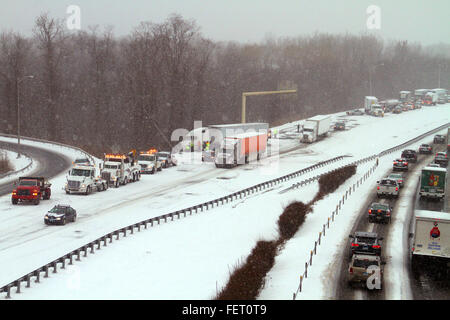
(409, 155)
(439, 138)
(365, 243)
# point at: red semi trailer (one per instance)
(241, 149)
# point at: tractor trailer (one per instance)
(431, 241)
(241, 149)
(315, 127)
(433, 183)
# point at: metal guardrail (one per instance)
(108, 238)
(10, 173)
(91, 158)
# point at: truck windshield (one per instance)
(27, 183)
(81, 172)
(146, 158)
(111, 166)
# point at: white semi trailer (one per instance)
(431, 241)
(315, 127)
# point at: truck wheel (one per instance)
(88, 191)
(105, 186)
(67, 192)
(37, 200)
(153, 171)
(14, 201)
(117, 184)
(64, 222)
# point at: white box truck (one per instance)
(368, 102)
(431, 240)
(315, 127)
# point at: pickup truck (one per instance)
(387, 187)
(425, 148)
(31, 189)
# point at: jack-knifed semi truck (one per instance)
(430, 247)
(316, 127)
(239, 144)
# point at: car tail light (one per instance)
(370, 211)
(395, 162)
(379, 210)
(378, 188)
(355, 245)
(376, 246)
(350, 270)
(406, 163)
(396, 188)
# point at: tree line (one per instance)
(106, 93)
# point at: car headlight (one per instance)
(58, 218)
(45, 217)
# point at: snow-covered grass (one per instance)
(17, 164)
(191, 257)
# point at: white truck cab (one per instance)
(82, 179)
(149, 162)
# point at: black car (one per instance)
(365, 243)
(439, 138)
(339, 125)
(425, 148)
(60, 214)
(380, 212)
(410, 155)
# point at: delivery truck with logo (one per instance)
(433, 183)
(431, 241)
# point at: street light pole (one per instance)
(18, 112)
(371, 69)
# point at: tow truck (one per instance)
(119, 169)
(149, 161)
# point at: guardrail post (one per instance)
(132, 229)
(320, 236)
(37, 274)
(310, 258)
(85, 248)
(306, 269)
(70, 258)
(28, 278)
(18, 286)
(8, 292)
(54, 266)
(315, 247)
(118, 234)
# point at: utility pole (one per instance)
(259, 93)
(18, 111)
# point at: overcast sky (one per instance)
(427, 22)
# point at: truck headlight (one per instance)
(83, 186)
(58, 218)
